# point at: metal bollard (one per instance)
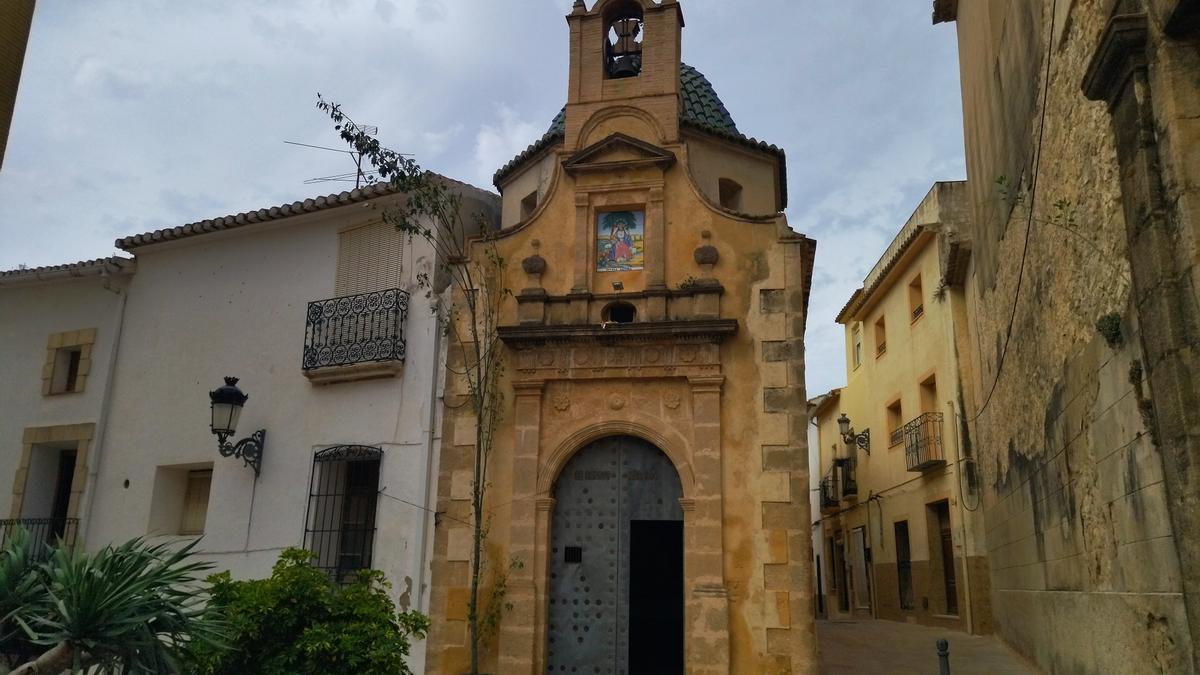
(943, 649)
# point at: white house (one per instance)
(316, 308)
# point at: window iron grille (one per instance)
(340, 523)
(355, 329)
(923, 442)
(845, 467)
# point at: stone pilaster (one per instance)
(707, 613)
(518, 633)
(1162, 262)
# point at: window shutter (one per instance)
(369, 259)
(195, 502)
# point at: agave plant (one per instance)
(132, 608)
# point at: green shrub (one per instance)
(299, 621)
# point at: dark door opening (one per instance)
(904, 565)
(839, 571)
(62, 494)
(947, 546)
(655, 597)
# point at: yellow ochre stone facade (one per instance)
(708, 367)
(916, 480)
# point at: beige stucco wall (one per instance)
(710, 160)
(916, 350)
(31, 313)
(532, 177)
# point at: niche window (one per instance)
(730, 192)
(195, 502)
(895, 421)
(880, 337)
(916, 301)
(857, 345)
(620, 312)
(929, 402)
(528, 204)
(623, 44)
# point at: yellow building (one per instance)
(898, 494)
(15, 19)
(650, 465)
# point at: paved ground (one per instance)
(891, 647)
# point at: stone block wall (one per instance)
(1085, 562)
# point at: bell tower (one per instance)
(625, 56)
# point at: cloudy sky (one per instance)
(135, 115)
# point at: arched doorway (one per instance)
(616, 562)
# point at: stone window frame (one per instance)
(81, 434)
(83, 339)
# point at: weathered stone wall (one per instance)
(1084, 565)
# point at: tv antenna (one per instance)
(359, 176)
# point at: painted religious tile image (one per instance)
(619, 241)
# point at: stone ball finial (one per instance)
(534, 264)
(706, 254)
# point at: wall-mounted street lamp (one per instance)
(862, 440)
(227, 402)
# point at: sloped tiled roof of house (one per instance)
(702, 109)
(278, 212)
(83, 268)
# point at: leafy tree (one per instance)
(433, 211)
(133, 608)
(299, 621)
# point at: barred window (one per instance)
(340, 525)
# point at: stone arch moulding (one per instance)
(576, 441)
(605, 114)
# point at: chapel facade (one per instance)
(649, 472)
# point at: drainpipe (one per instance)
(432, 453)
(962, 520)
(98, 442)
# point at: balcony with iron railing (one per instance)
(923, 442)
(829, 492)
(355, 337)
(44, 533)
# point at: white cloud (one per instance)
(498, 142)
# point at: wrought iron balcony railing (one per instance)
(355, 329)
(923, 442)
(845, 467)
(829, 492)
(44, 533)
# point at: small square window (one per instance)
(195, 502)
(573, 554)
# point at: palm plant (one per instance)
(132, 608)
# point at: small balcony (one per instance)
(923, 442)
(44, 533)
(829, 493)
(355, 337)
(845, 466)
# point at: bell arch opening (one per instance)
(615, 587)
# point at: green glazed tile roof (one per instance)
(702, 109)
(701, 105)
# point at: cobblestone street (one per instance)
(866, 646)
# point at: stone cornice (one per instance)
(706, 330)
(1122, 50)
